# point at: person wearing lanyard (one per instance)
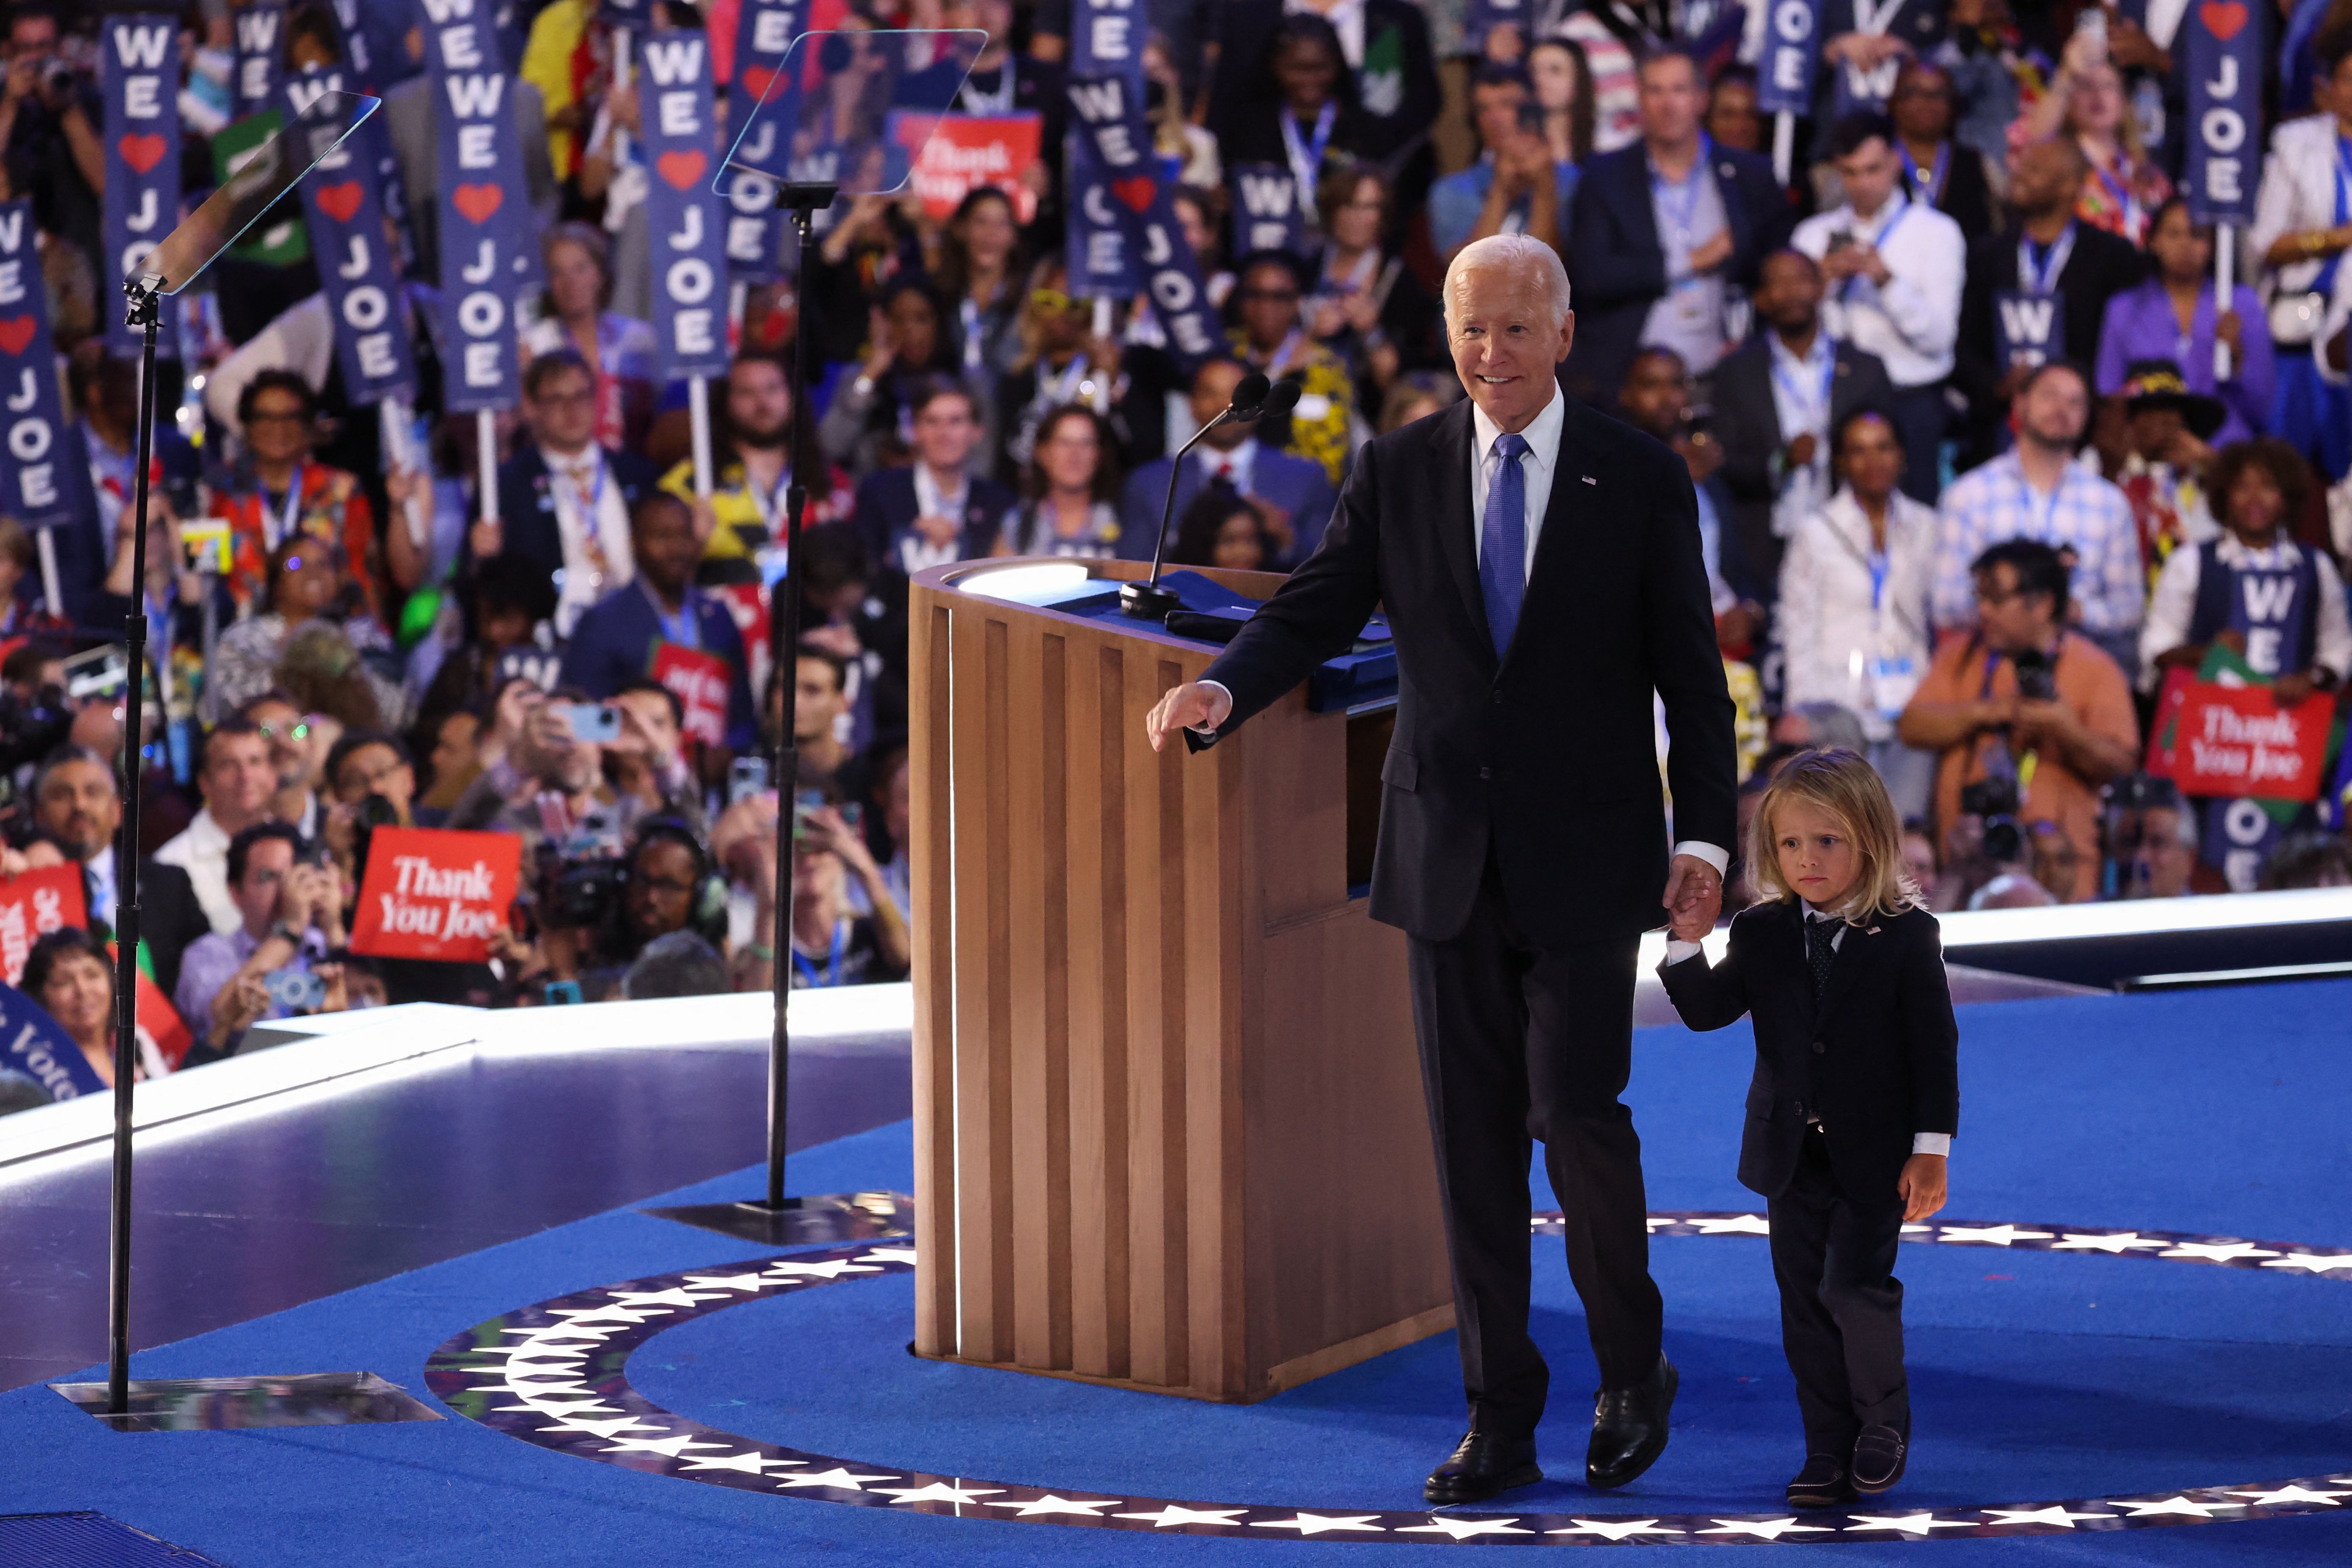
(275, 488)
(754, 470)
(1895, 268)
(1938, 168)
(563, 501)
(832, 946)
(1307, 112)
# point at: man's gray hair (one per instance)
(61, 757)
(678, 965)
(1502, 251)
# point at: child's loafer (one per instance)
(1879, 1456)
(1822, 1483)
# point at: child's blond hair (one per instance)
(1841, 783)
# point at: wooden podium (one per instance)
(1168, 1131)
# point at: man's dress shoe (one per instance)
(1879, 1457)
(1822, 1483)
(1483, 1465)
(1629, 1428)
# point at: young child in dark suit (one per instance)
(1856, 1098)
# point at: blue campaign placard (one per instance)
(259, 35)
(1784, 74)
(32, 1043)
(357, 270)
(2225, 53)
(2028, 326)
(1110, 114)
(754, 235)
(488, 255)
(140, 67)
(1266, 211)
(34, 487)
(682, 215)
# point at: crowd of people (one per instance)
(1970, 552)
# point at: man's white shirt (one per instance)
(1912, 323)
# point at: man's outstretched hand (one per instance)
(1694, 898)
(1192, 706)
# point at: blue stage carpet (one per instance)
(2036, 1376)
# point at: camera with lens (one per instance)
(2037, 678)
(580, 878)
(1994, 802)
(32, 727)
(57, 81)
(373, 812)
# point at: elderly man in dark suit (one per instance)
(1540, 566)
(1659, 230)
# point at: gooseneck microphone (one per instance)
(1253, 399)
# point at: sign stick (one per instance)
(392, 413)
(738, 301)
(697, 394)
(485, 437)
(620, 41)
(54, 596)
(1784, 144)
(2225, 267)
(1103, 380)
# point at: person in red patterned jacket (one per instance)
(275, 488)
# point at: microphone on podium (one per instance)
(1253, 399)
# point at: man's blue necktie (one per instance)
(1503, 542)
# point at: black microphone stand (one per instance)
(1146, 600)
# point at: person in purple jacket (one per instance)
(2173, 315)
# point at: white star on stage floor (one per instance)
(889, 1254)
(1767, 1528)
(604, 1429)
(2218, 1252)
(1049, 1503)
(1463, 1528)
(1734, 1225)
(729, 1281)
(2119, 1244)
(937, 1491)
(1912, 1524)
(1177, 1513)
(837, 1477)
(2180, 1505)
(1992, 1234)
(750, 1464)
(2290, 1493)
(676, 1296)
(1316, 1524)
(2055, 1514)
(631, 1315)
(2317, 1262)
(1616, 1531)
(831, 1269)
(667, 1447)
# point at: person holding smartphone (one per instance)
(273, 963)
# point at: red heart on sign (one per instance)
(1136, 191)
(15, 334)
(476, 202)
(681, 169)
(2222, 17)
(756, 79)
(142, 153)
(341, 202)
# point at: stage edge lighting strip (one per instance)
(555, 1375)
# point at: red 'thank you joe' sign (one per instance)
(698, 680)
(32, 906)
(431, 893)
(2237, 740)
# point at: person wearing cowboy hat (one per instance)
(2164, 455)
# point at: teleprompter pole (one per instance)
(144, 312)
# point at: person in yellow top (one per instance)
(1273, 338)
(552, 62)
(753, 468)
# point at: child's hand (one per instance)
(1921, 1186)
(1693, 926)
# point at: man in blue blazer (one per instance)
(1295, 487)
(933, 510)
(1660, 230)
(614, 642)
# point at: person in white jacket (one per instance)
(1853, 614)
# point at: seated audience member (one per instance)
(1656, 399)
(980, 270)
(1938, 170)
(453, 759)
(276, 491)
(290, 918)
(1416, 395)
(754, 470)
(1777, 400)
(678, 965)
(1067, 494)
(2029, 716)
(617, 349)
(2172, 315)
(1222, 529)
(77, 804)
(2162, 471)
(70, 975)
(2309, 860)
(821, 702)
(2275, 604)
(830, 945)
(363, 765)
(934, 510)
(1517, 186)
(2037, 490)
(299, 743)
(1853, 611)
(867, 424)
(235, 774)
(2150, 838)
(1895, 268)
(1269, 335)
(307, 591)
(1295, 491)
(1732, 118)
(564, 500)
(1287, 97)
(616, 639)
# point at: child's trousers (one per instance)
(1840, 1305)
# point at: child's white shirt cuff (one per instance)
(1677, 949)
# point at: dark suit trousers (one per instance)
(1840, 1305)
(1519, 1042)
(1920, 418)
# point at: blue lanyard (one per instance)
(1878, 241)
(1306, 157)
(2041, 277)
(1930, 185)
(681, 631)
(1816, 408)
(1878, 567)
(272, 537)
(1683, 221)
(833, 965)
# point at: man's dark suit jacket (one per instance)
(1297, 485)
(527, 501)
(1877, 1061)
(1619, 270)
(169, 919)
(1747, 424)
(1968, 194)
(1547, 758)
(887, 511)
(2100, 267)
